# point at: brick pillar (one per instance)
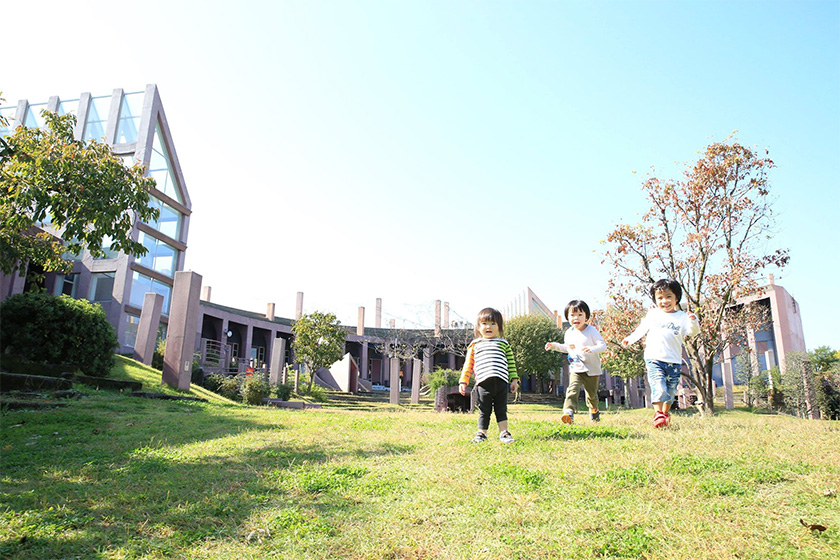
(183, 326)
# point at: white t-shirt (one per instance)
(588, 337)
(665, 334)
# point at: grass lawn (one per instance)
(111, 476)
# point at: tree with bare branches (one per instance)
(709, 231)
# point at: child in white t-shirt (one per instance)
(666, 327)
(583, 343)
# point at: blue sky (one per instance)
(460, 151)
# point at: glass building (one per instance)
(134, 125)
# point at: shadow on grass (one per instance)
(131, 478)
(551, 431)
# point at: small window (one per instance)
(66, 284)
(101, 286)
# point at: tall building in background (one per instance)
(134, 125)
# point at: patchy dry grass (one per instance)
(114, 477)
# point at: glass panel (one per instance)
(161, 170)
(97, 117)
(34, 118)
(169, 221)
(142, 284)
(161, 256)
(106, 246)
(69, 107)
(101, 286)
(132, 108)
(8, 114)
(132, 323)
(66, 284)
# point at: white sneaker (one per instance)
(505, 437)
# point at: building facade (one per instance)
(134, 124)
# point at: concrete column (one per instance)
(205, 293)
(395, 381)
(427, 359)
(299, 306)
(378, 313)
(634, 392)
(144, 345)
(451, 360)
(726, 371)
(278, 361)
(446, 324)
(183, 324)
(416, 375)
(812, 411)
(245, 355)
(365, 359)
(392, 323)
(437, 317)
(360, 326)
(269, 312)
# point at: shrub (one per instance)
(442, 378)
(58, 329)
(284, 391)
(157, 357)
(317, 393)
(229, 388)
(213, 382)
(255, 389)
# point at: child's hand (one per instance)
(586, 350)
(514, 385)
(625, 343)
(692, 316)
(571, 346)
(462, 388)
(548, 346)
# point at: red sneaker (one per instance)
(660, 420)
(667, 418)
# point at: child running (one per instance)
(491, 359)
(583, 343)
(666, 327)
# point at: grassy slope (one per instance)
(132, 370)
(116, 477)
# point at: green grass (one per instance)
(114, 477)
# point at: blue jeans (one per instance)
(663, 379)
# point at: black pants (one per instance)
(492, 395)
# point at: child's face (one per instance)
(666, 300)
(488, 329)
(577, 318)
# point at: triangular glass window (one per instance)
(130, 112)
(160, 168)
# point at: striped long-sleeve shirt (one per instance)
(489, 357)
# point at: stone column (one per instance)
(427, 359)
(416, 374)
(205, 293)
(437, 317)
(299, 306)
(269, 312)
(451, 360)
(183, 324)
(278, 361)
(365, 361)
(360, 326)
(395, 381)
(446, 315)
(726, 371)
(144, 345)
(378, 313)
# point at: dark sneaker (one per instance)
(479, 437)
(660, 420)
(505, 437)
(568, 416)
(595, 416)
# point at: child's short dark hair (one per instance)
(577, 305)
(666, 284)
(490, 315)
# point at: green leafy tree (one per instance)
(825, 363)
(622, 315)
(318, 342)
(709, 231)
(527, 336)
(81, 190)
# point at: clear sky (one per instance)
(454, 150)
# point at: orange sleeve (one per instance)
(469, 363)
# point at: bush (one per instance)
(157, 357)
(442, 378)
(213, 382)
(255, 389)
(58, 330)
(229, 388)
(317, 393)
(284, 391)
